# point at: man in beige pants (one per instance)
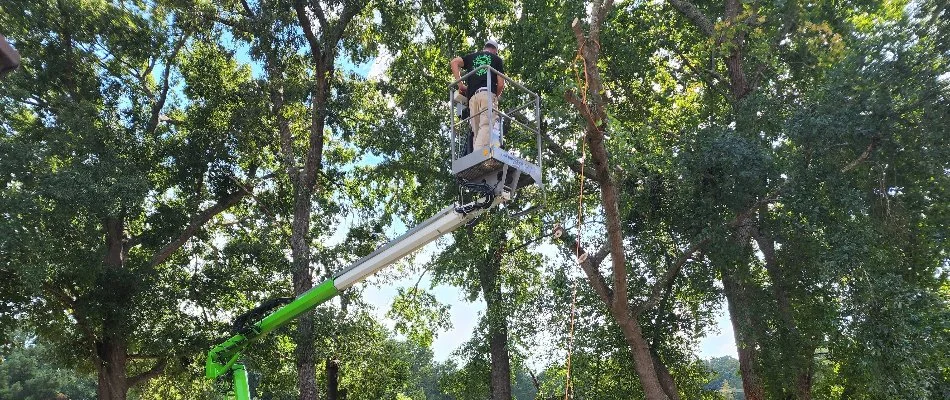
(476, 88)
(9, 58)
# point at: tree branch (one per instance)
(601, 8)
(589, 50)
(155, 371)
(600, 255)
(694, 15)
(767, 247)
(671, 273)
(163, 96)
(247, 9)
(195, 224)
(595, 115)
(864, 156)
(350, 10)
(137, 356)
(568, 159)
(285, 136)
(321, 16)
(69, 303)
(591, 270)
(582, 108)
(304, 19)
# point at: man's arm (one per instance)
(457, 63)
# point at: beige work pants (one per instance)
(481, 126)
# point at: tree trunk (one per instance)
(591, 107)
(620, 309)
(500, 363)
(745, 343)
(642, 358)
(111, 345)
(113, 363)
(798, 353)
(302, 274)
(497, 324)
(738, 81)
(666, 378)
(111, 348)
(303, 281)
(333, 380)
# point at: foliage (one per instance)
(146, 198)
(30, 372)
(725, 371)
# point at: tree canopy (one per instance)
(168, 165)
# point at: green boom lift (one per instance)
(492, 174)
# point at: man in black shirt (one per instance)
(475, 87)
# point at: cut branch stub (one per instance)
(558, 231)
(581, 258)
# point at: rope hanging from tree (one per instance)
(568, 383)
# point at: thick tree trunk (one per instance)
(500, 363)
(113, 363)
(111, 348)
(803, 382)
(642, 359)
(497, 325)
(303, 281)
(745, 343)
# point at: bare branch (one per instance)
(600, 255)
(589, 50)
(582, 108)
(595, 116)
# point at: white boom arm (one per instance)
(443, 222)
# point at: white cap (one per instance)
(492, 43)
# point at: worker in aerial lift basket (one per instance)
(476, 89)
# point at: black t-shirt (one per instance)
(480, 78)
